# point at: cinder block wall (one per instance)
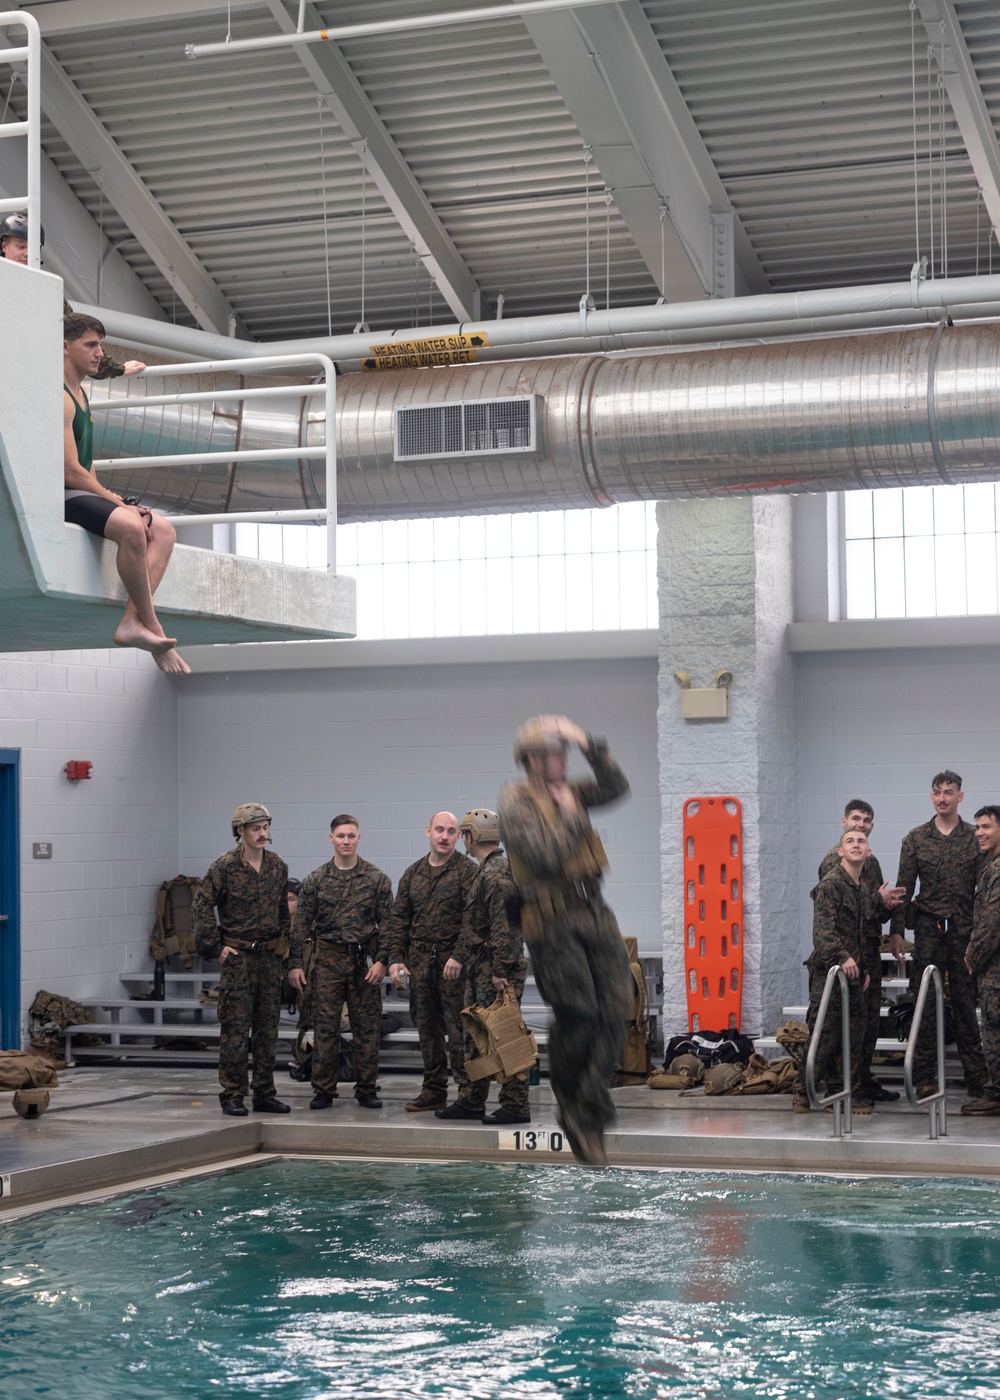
(86, 912)
(394, 745)
(879, 725)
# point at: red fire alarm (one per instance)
(78, 768)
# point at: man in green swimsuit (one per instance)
(145, 541)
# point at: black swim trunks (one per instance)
(90, 511)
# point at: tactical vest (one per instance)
(504, 1045)
(635, 1061)
(581, 867)
(173, 931)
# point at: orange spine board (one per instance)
(713, 912)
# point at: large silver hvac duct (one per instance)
(890, 409)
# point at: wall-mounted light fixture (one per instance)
(705, 702)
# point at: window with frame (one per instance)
(476, 575)
(922, 551)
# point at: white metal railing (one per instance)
(934, 1103)
(32, 128)
(328, 452)
(842, 1096)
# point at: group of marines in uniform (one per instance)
(454, 934)
(948, 894)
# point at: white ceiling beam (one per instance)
(628, 107)
(74, 245)
(72, 16)
(966, 97)
(93, 147)
(364, 129)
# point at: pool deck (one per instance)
(117, 1124)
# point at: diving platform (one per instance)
(59, 588)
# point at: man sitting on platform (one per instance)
(145, 541)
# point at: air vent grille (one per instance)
(470, 429)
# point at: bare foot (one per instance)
(133, 634)
(172, 662)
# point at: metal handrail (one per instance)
(842, 1099)
(934, 1103)
(328, 452)
(32, 128)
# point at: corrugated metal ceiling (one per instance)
(807, 110)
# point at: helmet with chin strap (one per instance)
(248, 812)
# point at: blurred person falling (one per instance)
(577, 954)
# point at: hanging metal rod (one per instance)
(388, 26)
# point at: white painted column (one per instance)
(725, 589)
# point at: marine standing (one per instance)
(838, 941)
(247, 887)
(343, 907)
(489, 957)
(982, 958)
(879, 900)
(577, 954)
(943, 856)
(424, 926)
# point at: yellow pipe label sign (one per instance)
(433, 350)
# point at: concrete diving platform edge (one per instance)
(58, 584)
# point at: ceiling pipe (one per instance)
(917, 407)
(402, 24)
(776, 314)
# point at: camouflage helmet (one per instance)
(687, 1067)
(249, 812)
(481, 824)
(31, 1103)
(15, 225)
(533, 737)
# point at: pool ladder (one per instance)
(934, 1103)
(841, 1100)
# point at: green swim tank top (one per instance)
(83, 431)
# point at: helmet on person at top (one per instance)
(482, 825)
(248, 812)
(534, 737)
(15, 225)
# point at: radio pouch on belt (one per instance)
(504, 1045)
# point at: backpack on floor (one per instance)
(711, 1047)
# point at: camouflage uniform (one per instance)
(577, 954)
(254, 918)
(983, 953)
(342, 911)
(490, 948)
(838, 934)
(422, 931)
(874, 916)
(941, 918)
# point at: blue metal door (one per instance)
(10, 899)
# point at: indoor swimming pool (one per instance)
(315, 1278)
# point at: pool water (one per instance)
(477, 1280)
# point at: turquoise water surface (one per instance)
(348, 1279)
